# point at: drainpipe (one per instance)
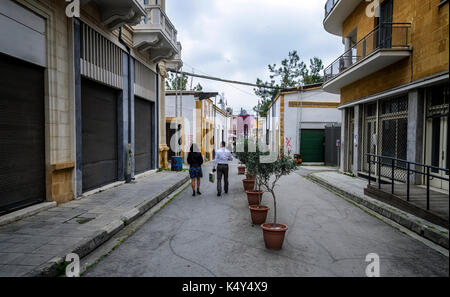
(128, 178)
(157, 115)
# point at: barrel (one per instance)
(177, 164)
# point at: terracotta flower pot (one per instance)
(274, 235)
(253, 197)
(249, 184)
(259, 214)
(241, 170)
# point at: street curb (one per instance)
(423, 228)
(89, 244)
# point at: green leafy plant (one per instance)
(269, 175)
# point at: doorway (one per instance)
(437, 122)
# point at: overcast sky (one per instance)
(237, 39)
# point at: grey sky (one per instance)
(237, 39)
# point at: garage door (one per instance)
(22, 134)
(312, 142)
(143, 131)
(99, 129)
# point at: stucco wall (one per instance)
(310, 117)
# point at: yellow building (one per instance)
(196, 116)
(393, 81)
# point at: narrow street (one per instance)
(207, 236)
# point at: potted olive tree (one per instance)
(269, 175)
(241, 156)
(258, 211)
(251, 166)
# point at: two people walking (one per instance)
(195, 161)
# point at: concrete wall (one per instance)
(429, 40)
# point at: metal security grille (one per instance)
(22, 134)
(438, 101)
(101, 60)
(385, 132)
(145, 81)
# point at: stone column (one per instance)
(356, 142)
(163, 148)
(343, 151)
(415, 131)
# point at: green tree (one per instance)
(198, 88)
(177, 82)
(291, 73)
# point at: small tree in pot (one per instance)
(257, 210)
(269, 175)
(241, 155)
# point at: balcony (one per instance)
(157, 35)
(336, 11)
(116, 13)
(383, 46)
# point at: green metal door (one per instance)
(311, 146)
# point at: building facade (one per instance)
(297, 119)
(80, 96)
(198, 120)
(393, 80)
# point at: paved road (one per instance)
(211, 236)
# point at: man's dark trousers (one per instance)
(222, 169)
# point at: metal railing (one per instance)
(329, 6)
(384, 36)
(407, 167)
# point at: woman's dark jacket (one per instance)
(195, 159)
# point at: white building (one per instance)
(297, 119)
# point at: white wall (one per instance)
(308, 117)
(186, 110)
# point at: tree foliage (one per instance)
(270, 173)
(291, 73)
(177, 82)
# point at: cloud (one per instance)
(237, 39)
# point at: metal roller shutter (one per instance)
(143, 118)
(312, 142)
(22, 134)
(99, 133)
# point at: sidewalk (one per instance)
(35, 246)
(353, 188)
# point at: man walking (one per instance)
(223, 156)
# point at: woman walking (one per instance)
(195, 161)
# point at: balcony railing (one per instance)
(391, 36)
(329, 6)
(157, 19)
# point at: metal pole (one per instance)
(392, 175)
(370, 159)
(379, 173)
(407, 182)
(214, 134)
(257, 126)
(428, 188)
